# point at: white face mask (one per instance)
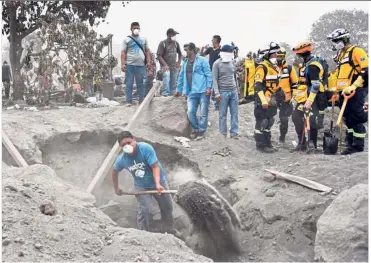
(339, 45)
(136, 31)
(226, 57)
(173, 38)
(273, 60)
(128, 149)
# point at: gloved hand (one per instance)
(308, 105)
(349, 89)
(293, 102)
(359, 82)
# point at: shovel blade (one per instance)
(330, 143)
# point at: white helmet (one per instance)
(339, 34)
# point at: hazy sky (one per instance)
(251, 25)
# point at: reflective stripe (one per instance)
(301, 93)
(359, 135)
(350, 130)
(321, 112)
(345, 60)
(266, 130)
(269, 77)
(285, 75)
(258, 132)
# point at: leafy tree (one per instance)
(62, 46)
(21, 18)
(355, 21)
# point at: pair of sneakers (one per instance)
(197, 135)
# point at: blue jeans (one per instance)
(165, 202)
(229, 100)
(168, 80)
(193, 102)
(137, 72)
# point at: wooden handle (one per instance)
(149, 192)
(340, 118)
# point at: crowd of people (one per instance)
(303, 90)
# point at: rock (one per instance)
(6, 242)
(26, 184)
(342, 230)
(86, 255)
(11, 188)
(274, 243)
(270, 193)
(169, 115)
(48, 208)
(109, 242)
(38, 246)
(26, 193)
(21, 254)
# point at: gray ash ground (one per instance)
(278, 218)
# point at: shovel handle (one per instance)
(346, 98)
(149, 192)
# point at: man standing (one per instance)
(135, 55)
(213, 53)
(167, 54)
(7, 78)
(140, 159)
(352, 73)
(194, 82)
(225, 88)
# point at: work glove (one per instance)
(263, 99)
(356, 84)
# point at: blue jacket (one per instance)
(201, 77)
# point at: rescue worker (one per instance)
(288, 82)
(308, 97)
(265, 87)
(352, 75)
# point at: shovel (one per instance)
(330, 141)
(339, 122)
(149, 192)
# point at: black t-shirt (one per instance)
(213, 55)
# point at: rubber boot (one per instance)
(348, 144)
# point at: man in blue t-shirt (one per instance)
(140, 159)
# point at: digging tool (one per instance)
(339, 122)
(13, 151)
(149, 192)
(330, 140)
(300, 180)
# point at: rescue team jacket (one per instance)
(249, 79)
(266, 79)
(309, 72)
(201, 77)
(350, 63)
(288, 80)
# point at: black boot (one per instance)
(348, 144)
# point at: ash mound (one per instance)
(216, 226)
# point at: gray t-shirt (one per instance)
(134, 55)
(189, 72)
(224, 76)
(168, 51)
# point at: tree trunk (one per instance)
(15, 53)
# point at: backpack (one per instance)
(249, 77)
(325, 67)
(163, 43)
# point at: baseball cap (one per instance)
(171, 31)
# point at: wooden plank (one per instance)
(111, 157)
(300, 180)
(12, 150)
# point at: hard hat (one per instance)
(338, 34)
(303, 47)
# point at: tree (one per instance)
(60, 47)
(21, 18)
(355, 21)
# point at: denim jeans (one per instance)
(193, 102)
(168, 80)
(229, 100)
(165, 202)
(137, 72)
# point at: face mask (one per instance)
(226, 57)
(128, 149)
(136, 31)
(339, 45)
(279, 62)
(299, 59)
(173, 38)
(273, 60)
